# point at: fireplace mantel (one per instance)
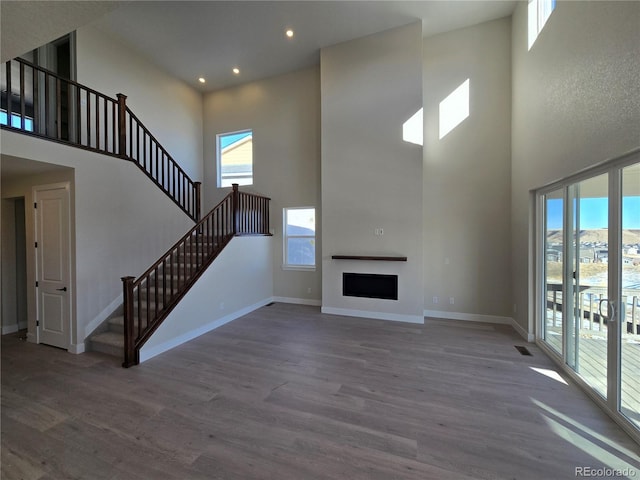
(370, 257)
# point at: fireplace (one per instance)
(370, 285)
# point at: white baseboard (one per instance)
(468, 317)
(76, 348)
(146, 354)
(7, 329)
(394, 317)
(529, 337)
(102, 316)
(474, 317)
(298, 301)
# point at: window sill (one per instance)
(300, 268)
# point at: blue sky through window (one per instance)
(594, 213)
(16, 121)
(226, 140)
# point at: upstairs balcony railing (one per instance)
(36, 101)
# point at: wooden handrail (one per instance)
(152, 158)
(62, 110)
(153, 295)
(253, 213)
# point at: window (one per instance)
(299, 238)
(538, 14)
(16, 121)
(235, 158)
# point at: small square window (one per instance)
(299, 238)
(235, 158)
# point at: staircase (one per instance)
(150, 298)
(96, 122)
(171, 279)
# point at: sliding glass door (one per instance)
(588, 274)
(589, 294)
(630, 305)
(552, 326)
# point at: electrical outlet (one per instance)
(221, 305)
(309, 290)
(435, 299)
(451, 300)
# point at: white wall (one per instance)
(234, 285)
(467, 174)
(9, 308)
(169, 108)
(370, 177)
(576, 103)
(123, 223)
(284, 114)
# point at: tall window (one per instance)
(299, 238)
(235, 158)
(538, 14)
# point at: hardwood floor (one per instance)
(289, 393)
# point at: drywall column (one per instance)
(371, 178)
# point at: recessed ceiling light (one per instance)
(289, 33)
(202, 80)
(236, 71)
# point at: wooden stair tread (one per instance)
(109, 338)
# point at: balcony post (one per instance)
(235, 205)
(122, 125)
(198, 200)
(129, 341)
(9, 93)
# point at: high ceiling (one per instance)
(192, 39)
(25, 25)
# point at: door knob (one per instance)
(63, 289)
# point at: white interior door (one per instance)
(52, 264)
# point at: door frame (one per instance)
(66, 185)
(614, 169)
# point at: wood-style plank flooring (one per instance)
(289, 393)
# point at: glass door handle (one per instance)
(611, 310)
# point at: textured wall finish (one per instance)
(576, 103)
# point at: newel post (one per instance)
(129, 341)
(122, 125)
(198, 199)
(235, 205)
